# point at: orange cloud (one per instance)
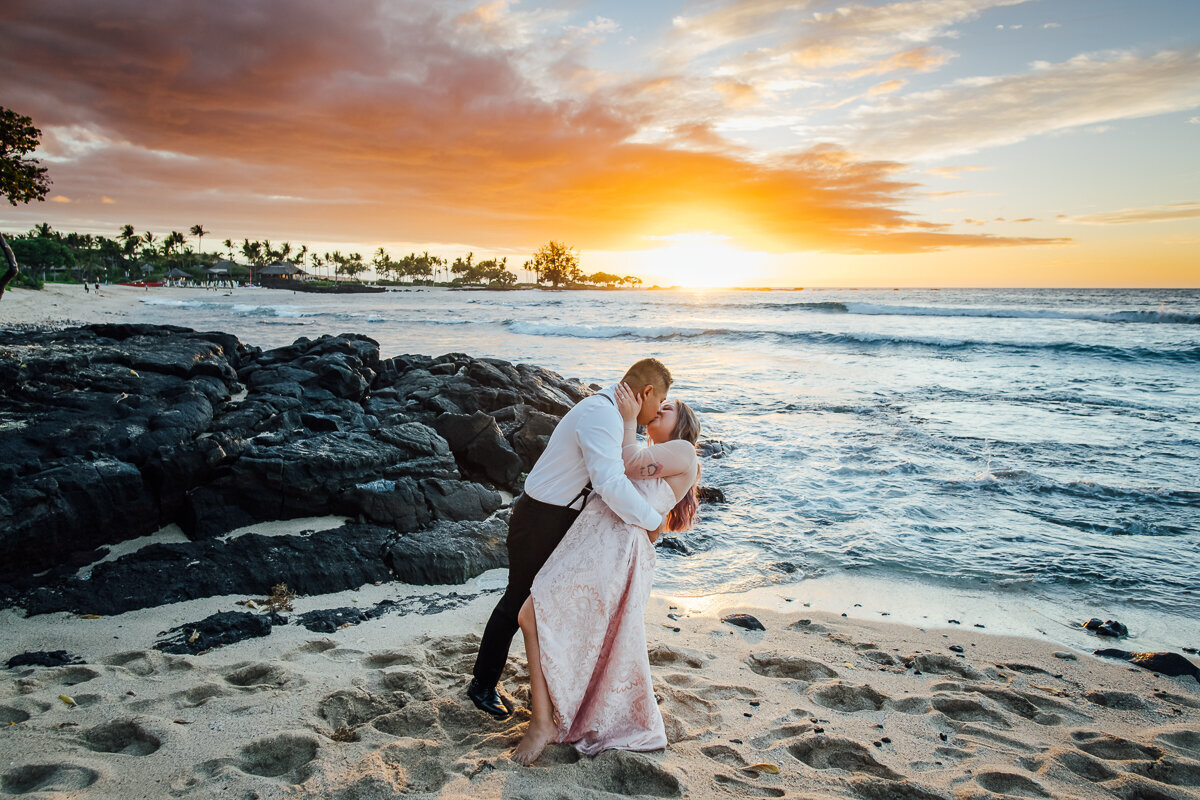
(381, 122)
(919, 59)
(886, 87)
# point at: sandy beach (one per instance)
(816, 705)
(68, 304)
(819, 704)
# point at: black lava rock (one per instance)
(674, 544)
(44, 658)
(1107, 628)
(449, 552)
(217, 630)
(710, 495)
(126, 428)
(1171, 664)
(744, 621)
(317, 563)
(480, 447)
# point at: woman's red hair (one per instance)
(683, 515)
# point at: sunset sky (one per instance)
(763, 142)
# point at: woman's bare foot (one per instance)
(537, 736)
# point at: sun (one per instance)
(702, 261)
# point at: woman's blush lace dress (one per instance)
(590, 602)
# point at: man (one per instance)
(583, 455)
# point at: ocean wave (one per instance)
(859, 340)
(1160, 316)
(1025, 480)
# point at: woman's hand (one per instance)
(628, 403)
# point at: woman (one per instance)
(584, 627)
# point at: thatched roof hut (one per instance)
(281, 269)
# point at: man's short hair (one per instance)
(648, 371)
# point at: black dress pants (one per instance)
(534, 530)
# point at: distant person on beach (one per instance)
(86, 290)
(605, 553)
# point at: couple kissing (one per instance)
(581, 564)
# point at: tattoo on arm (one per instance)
(650, 470)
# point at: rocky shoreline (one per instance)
(108, 433)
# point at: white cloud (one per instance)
(1051, 25)
(1161, 213)
(975, 113)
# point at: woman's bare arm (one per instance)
(677, 457)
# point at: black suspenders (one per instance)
(586, 491)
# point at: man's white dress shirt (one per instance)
(586, 446)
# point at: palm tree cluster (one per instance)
(148, 256)
(128, 255)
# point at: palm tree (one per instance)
(129, 240)
(301, 255)
(229, 248)
(199, 232)
(148, 238)
(285, 250)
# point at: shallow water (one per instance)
(1039, 443)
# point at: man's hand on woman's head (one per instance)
(628, 403)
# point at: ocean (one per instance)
(1024, 448)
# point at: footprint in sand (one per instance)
(788, 730)
(626, 773)
(1027, 669)
(1169, 770)
(938, 664)
(848, 697)
(1135, 787)
(10, 715)
(830, 752)
(421, 765)
(411, 683)
(59, 777)
(416, 721)
(965, 710)
(70, 676)
(1085, 766)
(1113, 748)
(942, 755)
(724, 754)
(776, 665)
(1122, 701)
(353, 707)
(681, 679)
(281, 755)
(199, 695)
(876, 789)
(122, 736)
(665, 655)
(142, 663)
(1010, 783)
(1181, 740)
(262, 675)
(741, 787)
(1019, 704)
(687, 715)
(392, 658)
(453, 653)
(879, 657)
(311, 648)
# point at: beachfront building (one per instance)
(282, 270)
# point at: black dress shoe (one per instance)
(487, 699)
